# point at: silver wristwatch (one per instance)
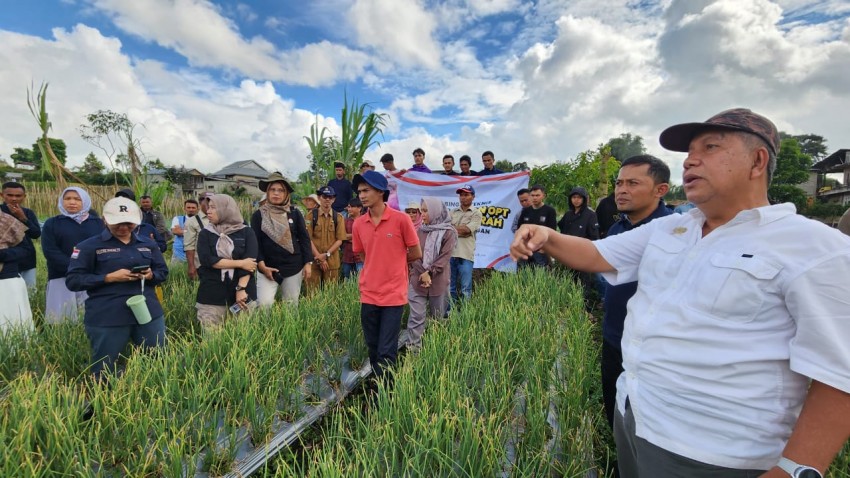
(797, 470)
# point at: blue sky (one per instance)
(213, 82)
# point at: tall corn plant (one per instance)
(360, 127)
(50, 164)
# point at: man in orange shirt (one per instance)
(386, 240)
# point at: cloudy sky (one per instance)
(211, 82)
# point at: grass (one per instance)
(505, 387)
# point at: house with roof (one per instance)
(241, 173)
(193, 183)
(830, 178)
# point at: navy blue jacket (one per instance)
(344, 192)
(27, 261)
(617, 296)
(10, 257)
(60, 235)
(149, 232)
(98, 256)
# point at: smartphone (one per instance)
(140, 269)
(235, 309)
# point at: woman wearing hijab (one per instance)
(227, 251)
(284, 258)
(59, 237)
(429, 276)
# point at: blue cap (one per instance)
(466, 188)
(326, 191)
(372, 178)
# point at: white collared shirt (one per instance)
(725, 330)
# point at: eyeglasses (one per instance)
(412, 211)
(327, 197)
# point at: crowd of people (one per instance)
(724, 333)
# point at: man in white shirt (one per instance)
(736, 345)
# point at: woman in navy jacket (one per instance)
(60, 235)
(104, 266)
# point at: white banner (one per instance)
(495, 197)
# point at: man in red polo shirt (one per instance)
(386, 240)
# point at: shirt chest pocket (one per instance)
(661, 261)
(239, 246)
(735, 288)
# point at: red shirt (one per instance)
(383, 280)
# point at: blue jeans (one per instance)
(461, 275)
(107, 343)
(349, 270)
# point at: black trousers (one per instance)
(381, 326)
(612, 367)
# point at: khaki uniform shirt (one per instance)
(471, 218)
(323, 234)
(190, 234)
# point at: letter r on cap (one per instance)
(122, 208)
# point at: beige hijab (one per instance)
(229, 221)
(276, 222)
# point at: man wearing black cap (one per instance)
(736, 345)
(387, 242)
(326, 229)
(342, 187)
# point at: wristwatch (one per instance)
(328, 255)
(239, 287)
(797, 470)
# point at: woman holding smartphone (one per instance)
(110, 267)
(227, 251)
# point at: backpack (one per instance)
(316, 217)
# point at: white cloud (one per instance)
(185, 118)
(574, 75)
(401, 30)
(197, 30)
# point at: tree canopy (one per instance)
(792, 168)
(625, 146)
(593, 170)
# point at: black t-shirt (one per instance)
(276, 256)
(212, 290)
(544, 216)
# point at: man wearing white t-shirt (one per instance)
(736, 347)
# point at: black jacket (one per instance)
(582, 223)
(27, 260)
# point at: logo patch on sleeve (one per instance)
(75, 253)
